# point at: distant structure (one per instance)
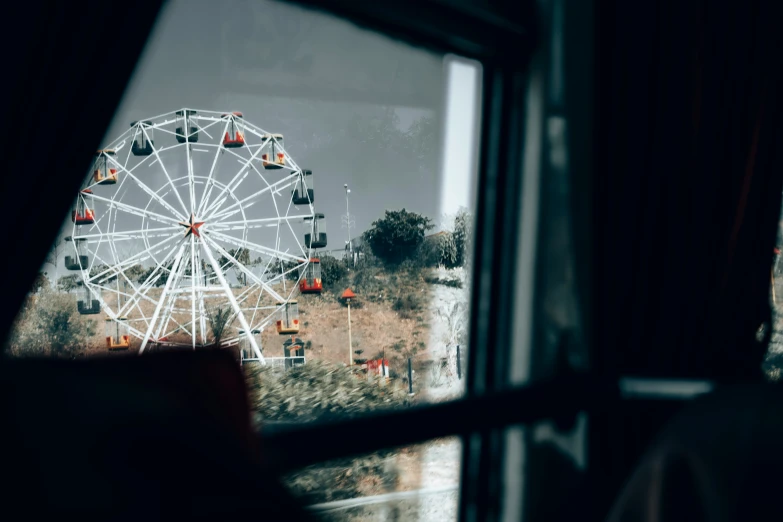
(354, 250)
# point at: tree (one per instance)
(463, 237)
(219, 319)
(135, 272)
(107, 275)
(41, 282)
(333, 271)
(49, 324)
(448, 253)
(161, 276)
(53, 257)
(396, 237)
(68, 283)
(287, 266)
(242, 255)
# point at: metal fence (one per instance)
(275, 362)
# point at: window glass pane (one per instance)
(420, 482)
(773, 365)
(294, 189)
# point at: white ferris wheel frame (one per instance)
(221, 212)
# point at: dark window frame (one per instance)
(502, 39)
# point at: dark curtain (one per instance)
(688, 188)
(686, 197)
(66, 66)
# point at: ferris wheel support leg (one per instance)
(201, 310)
(162, 300)
(234, 304)
(193, 284)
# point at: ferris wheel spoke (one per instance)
(258, 307)
(180, 327)
(252, 129)
(193, 286)
(154, 195)
(234, 304)
(246, 164)
(208, 184)
(101, 241)
(155, 151)
(242, 268)
(137, 211)
(275, 190)
(202, 310)
(196, 119)
(136, 258)
(256, 223)
(176, 277)
(177, 260)
(132, 234)
(272, 187)
(136, 304)
(142, 291)
(306, 255)
(191, 180)
(243, 243)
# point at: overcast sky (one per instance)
(317, 79)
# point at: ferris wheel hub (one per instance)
(192, 226)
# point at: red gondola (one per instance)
(233, 137)
(82, 214)
(310, 281)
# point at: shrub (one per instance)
(219, 319)
(321, 390)
(41, 282)
(315, 390)
(463, 237)
(406, 304)
(367, 282)
(333, 272)
(451, 283)
(68, 283)
(49, 324)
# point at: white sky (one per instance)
(460, 143)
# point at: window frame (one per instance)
(502, 39)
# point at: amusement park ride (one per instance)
(162, 218)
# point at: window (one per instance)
(282, 184)
(774, 361)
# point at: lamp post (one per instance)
(348, 218)
(348, 295)
(348, 222)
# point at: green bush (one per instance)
(333, 272)
(397, 236)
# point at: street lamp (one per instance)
(347, 296)
(348, 218)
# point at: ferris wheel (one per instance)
(191, 214)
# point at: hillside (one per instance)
(403, 313)
(399, 314)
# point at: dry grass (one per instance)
(393, 322)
